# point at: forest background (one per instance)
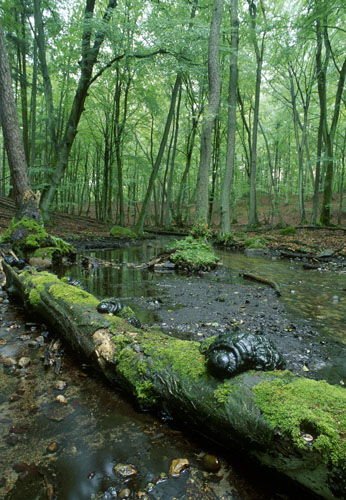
(181, 112)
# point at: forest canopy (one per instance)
(125, 105)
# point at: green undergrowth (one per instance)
(193, 253)
(301, 406)
(288, 231)
(123, 233)
(232, 239)
(256, 242)
(28, 236)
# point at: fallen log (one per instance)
(261, 279)
(289, 423)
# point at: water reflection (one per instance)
(318, 296)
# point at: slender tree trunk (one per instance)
(171, 173)
(227, 185)
(140, 221)
(253, 219)
(201, 215)
(33, 116)
(89, 58)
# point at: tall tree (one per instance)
(259, 52)
(201, 216)
(232, 121)
(328, 132)
(26, 201)
(90, 52)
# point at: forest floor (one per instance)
(254, 308)
(312, 240)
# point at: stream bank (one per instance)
(207, 305)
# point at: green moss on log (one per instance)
(224, 391)
(28, 236)
(182, 356)
(73, 294)
(303, 406)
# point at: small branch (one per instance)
(260, 279)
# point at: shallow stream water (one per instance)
(70, 449)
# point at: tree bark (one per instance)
(89, 58)
(159, 371)
(140, 221)
(232, 121)
(201, 216)
(26, 201)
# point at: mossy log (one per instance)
(292, 424)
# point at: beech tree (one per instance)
(201, 217)
(26, 200)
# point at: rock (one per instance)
(53, 447)
(61, 399)
(142, 495)
(326, 253)
(60, 385)
(255, 252)
(178, 465)
(125, 493)
(211, 463)
(24, 362)
(125, 470)
(9, 362)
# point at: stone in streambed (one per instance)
(178, 465)
(125, 470)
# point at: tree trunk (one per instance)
(26, 201)
(267, 415)
(89, 58)
(253, 219)
(201, 215)
(140, 221)
(232, 121)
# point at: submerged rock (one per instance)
(178, 465)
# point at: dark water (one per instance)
(96, 428)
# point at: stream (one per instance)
(70, 436)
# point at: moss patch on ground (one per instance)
(300, 407)
(123, 233)
(259, 242)
(194, 253)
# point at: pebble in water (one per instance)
(125, 470)
(23, 362)
(178, 465)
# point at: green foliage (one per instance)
(288, 231)
(122, 233)
(201, 231)
(194, 253)
(303, 406)
(29, 236)
(256, 242)
(25, 234)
